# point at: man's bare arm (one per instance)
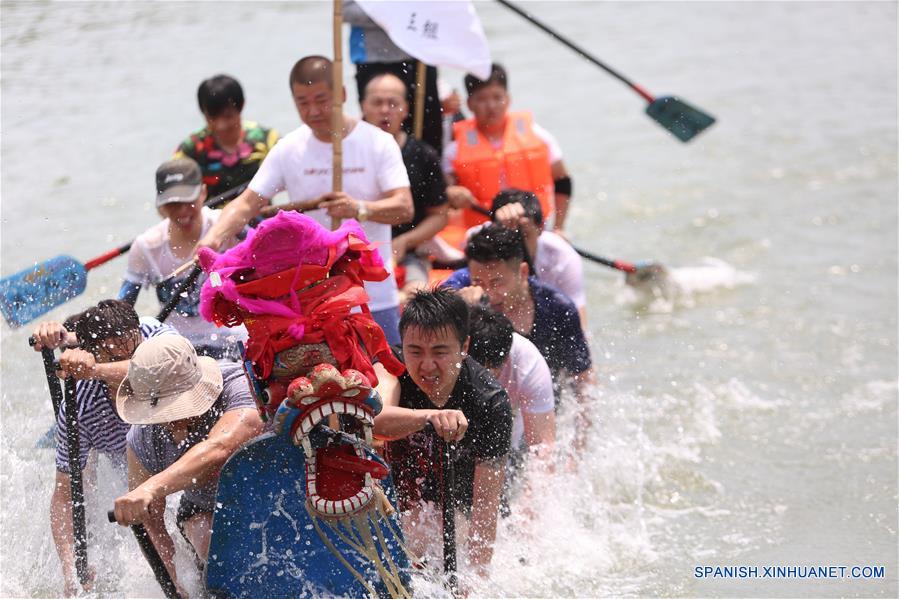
(196, 467)
(488, 484)
(233, 219)
(394, 207)
(432, 224)
(562, 199)
(154, 523)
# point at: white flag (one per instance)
(439, 33)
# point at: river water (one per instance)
(749, 420)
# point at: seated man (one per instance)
(499, 149)
(465, 406)
(499, 270)
(167, 245)
(518, 366)
(375, 183)
(384, 105)
(554, 260)
(100, 342)
(228, 150)
(190, 415)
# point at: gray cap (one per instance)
(178, 180)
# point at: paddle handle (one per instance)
(449, 514)
(79, 527)
(184, 286)
(153, 559)
(616, 264)
(104, 258)
(645, 94)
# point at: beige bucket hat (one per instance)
(167, 381)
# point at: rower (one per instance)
(167, 245)
(384, 105)
(498, 149)
(97, 345)
(228, 150)
(190, 414)
(498, 270)
(554, 260)
(518, 366)
(465, 407)
(376, 186)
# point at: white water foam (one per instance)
(682, 286)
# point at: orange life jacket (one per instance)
(522, 162)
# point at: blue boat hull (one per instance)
(264, 543)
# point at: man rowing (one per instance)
(190, 414)
(465, 407)
(161, 249)
(554, 260)
(499, 270)
(498, 149)
(384, 105)
(228, 149)
(376, 186)
(97, 345)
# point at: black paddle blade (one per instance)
(683, 121)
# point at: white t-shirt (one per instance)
(151, 260)
(555, 150)
(560, 265)
(372, 165)
(527, 380)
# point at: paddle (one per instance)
(79, 530)
(34, 291)
(679, 118)
(449, 515)
(646, 269)
(152, 556)
(179, 291)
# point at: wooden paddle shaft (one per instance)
(421, 71)
(337, 105)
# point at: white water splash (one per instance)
(682, 286)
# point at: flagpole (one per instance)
(419, 116)
(337, 105)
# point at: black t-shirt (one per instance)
(415, 460)
(557, 331)
(425, 181)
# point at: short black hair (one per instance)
(528, 200)
(108, 319)
(495, 243)
(436, 309)
(218, 93)
(497, 75)
(491, 336)
(310, 70)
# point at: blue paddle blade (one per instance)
(263, 541)
(34, 291)
(683, 121)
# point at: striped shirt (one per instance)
(99, 426)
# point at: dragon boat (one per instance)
(305, 509)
